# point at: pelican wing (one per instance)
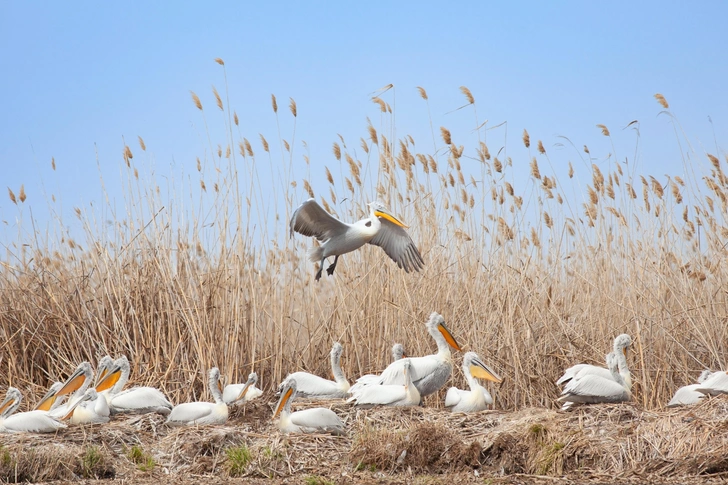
(686, 395)
(594, 389)
(454, 396)
(716, 384)
(429, 373)
(581, 369)
(385, 395)
(398, 245)
(317, 419)
(189, 412)
(140, 400)
(314, 387)
(31, 422)
(310, 219)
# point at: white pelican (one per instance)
(689, 394)
(106, 363)
(137, 400)
(192, 413)
(429, 373)
(51, 400)
(315, 387)
(397, 353)
(621, 344)
(592, 388)
(77, 383)
(94, 410)
(389, 394)
(240, 394)
(716, 384)
(478, 397)
(31, 421)
(306, 421)
(381, 229)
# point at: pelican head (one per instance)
(336, 350)
(81, 377)
(13, 397)
(252, 379)
(622, 343)
(398, 352)
(46, 403)
(287, 395)
(478, 369)
(378, 210)
(112, 374)
(438, 330)
(105, 364)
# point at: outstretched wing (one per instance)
(310, 219)
(399, 246)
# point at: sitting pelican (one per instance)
(366, 379)
(306, 421)
(94, 410)
(621, 344)
(389, 394)
(77, 383)
(137, 400)
(35, 421)
(240, 394)
(689, 394)
(191, 413)
(51, 400)
(429, 373)
(478, 397)
(716, 384)
(315, 387)
(592, 388)
(381, 229)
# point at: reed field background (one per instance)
(536, 261)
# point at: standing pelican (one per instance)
(689, 394)
(240, 394)
(429, 373)
(716, 384)
(137, 400)
(336, 238)
(311, 420)
(77, 383)
(478, 397)
(592, 388)
(315, 387)
(621, 344)
(389, 394)
(31, 421)
(191, 413)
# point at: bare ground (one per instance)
(597, 444)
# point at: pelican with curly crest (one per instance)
(136, 400)
(314, 387)
(593, 388)
(313, 420)
(477, 398)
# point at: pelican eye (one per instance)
(368, 224)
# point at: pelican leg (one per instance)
(332, 267)
(318, 273)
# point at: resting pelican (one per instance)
(306, 421)
(315, 387)
(191, 413)
(381, 229)
(716, 384)
(592, 388)
(621, 344)
(51, 400)
(94, 410)
(31, 421)
(689, 394)
(478, 397)
(366, 379)
(77, 383)
(105, 365)
(429, 373)
(389, 394)
(137, 400)
(240, 394)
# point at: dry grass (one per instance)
(535, 273)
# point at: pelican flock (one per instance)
(381, 229)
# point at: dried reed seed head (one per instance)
(714, 160)
(248, 147)
(610, 191)
(235, 118)
(571, 171)
(199, 165)
(559, 199)
(227, 151)
(597, 178)
(221, 62)
(219, 151)
(423, 93)
(433, 164)
(541, 149)
(329, 177)
(53, 163)
(445, 133)
(451, 179)
(676, 193)
(471, 202)
(497, 165)
(381, 103)
(274, 103)
(264, 142)
(631, 192)
(468, 94)
(292, 107)
(11, 194)
(509, 189)
(333, 195)
(461, 179)
(337, 151)
(656, 187)
(307, 188)
(485, 151)
(586, 149)
(196, 100)
(547, 220)
(286, 146)
(373, 134)
(604, 129)
(593, 196)
(526, 139)
(535, 173)
(218, 100)
(142, 144)
(661, 99)
(202, 185)
(534, 238)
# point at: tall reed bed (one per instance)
(532, 268)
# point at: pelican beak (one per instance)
(101, 376)
(242, 393)
(72, 384)
(448, 336)
(109, 379)
(6, 404)
(389, 217)
(46, 403)
(481, 371)
(282, 403)
(404, 355)
(219, 385)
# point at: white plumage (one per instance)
(690, 394)
(314, 420)
(477, 398)
(136, 400)
(593, 388)
(239, 394)
(314, 387)
(405, 394)
(192, 413)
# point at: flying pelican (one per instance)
(592, 388)
(240, 394)
(31, 421)
(478, 397)
(381, 229)
(51, 400)
(77, 383)
(621, 344)
(430, 372)
(716, 384)
(94, 410)
(366, 379)
(311, 420)
(191, 413)
(689, 394)
(315, 387)
(137, 400)
(389, 394)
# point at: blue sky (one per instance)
(81, 77)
